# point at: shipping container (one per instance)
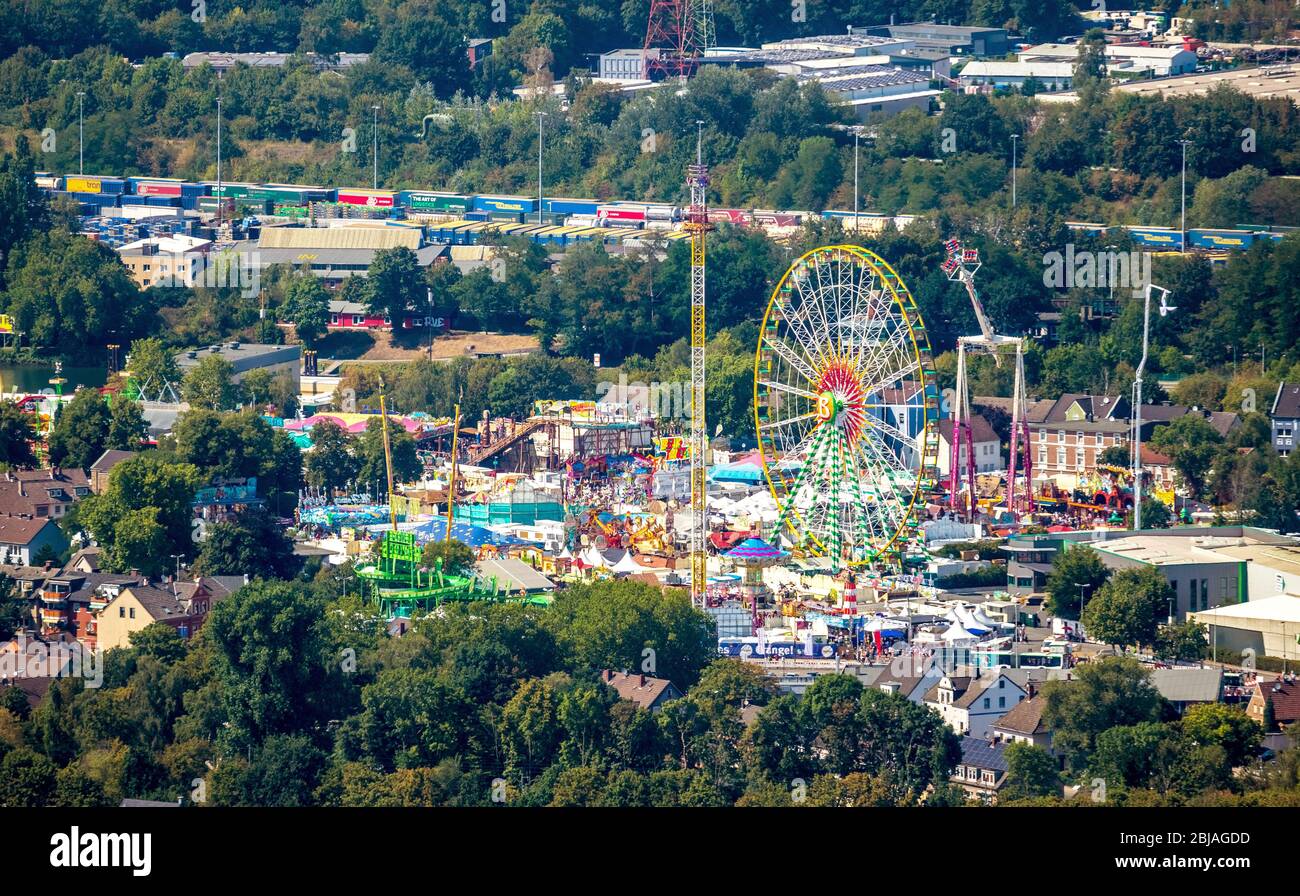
(505, 204)
(780, 219)
(570, 206)
(1156, 237)
(209, 204)
(730, 216)
(621, 215)
(228, 190)
(100, 199)
(75, 183)
(369, 198)
(155, 186)
(446, 203)
(1220, 239)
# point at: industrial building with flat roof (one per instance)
(957, 40)
(1259, 83)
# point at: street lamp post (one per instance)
(1081, 586)
(1182, 223)
(1014, 138)
(374, 152)
(81, 132)
(1165, 308)
(221, 196)
(857, 134)
(540, 115)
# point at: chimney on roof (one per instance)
(642, 683)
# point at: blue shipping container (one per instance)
(569, 206)
(505, 204)
(1156, 237)
(1220, 239)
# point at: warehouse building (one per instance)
(956, 40)
(1121, 59)
(245, 357)
(1051, 75)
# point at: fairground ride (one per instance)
(846, 408)
(397, 578)
(961, 264)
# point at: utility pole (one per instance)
(81, 131)
(857, 134)
(374, 152)
(1182, 224)
(1014, 138)
(1137, 400)
(221, 198)
(540, 115)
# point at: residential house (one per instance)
(184, 606)
(42, 494)
(988, 447)
(1284, 696)
(971, 705)
(1285, 417)
(103, 466)
(23, 539)
(1068, 437)
(910, 677)
(646, 692)
(1184, 687)
(70, 600)
(1023, 723)
(982, 770)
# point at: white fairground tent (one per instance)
(956, 634)
(626, 564)
(963, 617)
(593, 559)
(1269, 626)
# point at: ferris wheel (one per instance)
(846, 406)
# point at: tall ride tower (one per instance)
(697, 224)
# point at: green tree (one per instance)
(395, 285)
(307, 307)
(153, 366)
(1105, 694)
(1181, 641)
(1071, 566)
(145, 513)
(369, 449)
(1214, 724)
(253, 543)
(330, 463)
(1191, 443)
(210, 384)
(412, 718)
(127, 428)
(1031, 772)
(80, 430)
(71, 293)
(456, 557)
(612, 625)
(274, 664)
(1127, 609)
(16, 436)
